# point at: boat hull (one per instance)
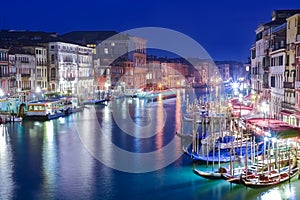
(44, 117)
(283, 177)
(208, 175)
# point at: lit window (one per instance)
(106, 50)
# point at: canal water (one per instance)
(125, 150)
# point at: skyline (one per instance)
(224, 28)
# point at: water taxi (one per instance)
(44, 110)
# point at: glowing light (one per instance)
(235, 85)
(1, 93)
(38, 89)
(268, 134)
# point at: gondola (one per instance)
(210, 175)
(269, 179)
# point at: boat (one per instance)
(183, 135)
(224, 156)
(75, 106)
(44, 110)
(94, 102)
(235, 176)
(268, 179)
(131, 93)
(156, 95)
(196, 116)
(13, 119)
(213, 175)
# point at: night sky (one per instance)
(225, 28)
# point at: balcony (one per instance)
(53, 78)
(287, 105)
(278, 45)
(39, 78)
(265, 85)
(289, 85)
(25, 75)
(4, 75)
(69, 78)
(278, 28)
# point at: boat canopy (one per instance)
(276, 128)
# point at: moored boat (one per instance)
(44, 110)
(212, 175)
(268, 179)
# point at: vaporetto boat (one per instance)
(44, 110)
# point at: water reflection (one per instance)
(51, 160)
(6, 164)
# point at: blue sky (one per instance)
(225, 28)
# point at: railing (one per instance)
(69, 78)
(4, 75)
(53, 78)
(278, 28)
(25, 75)
(266, 68)
(289, 85)
(278, 46)
(265, 85)
(287, 105)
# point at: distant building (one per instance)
(41, 65)
(88, 38)
(4, 71)
(174, 74)
(123, 48)
(23, 68)
(71, 69)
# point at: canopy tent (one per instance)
(277, 128)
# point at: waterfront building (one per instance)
(201, 73)
(174, 74)
(154, 71)
(224, 71)
(102, 79)
(86, 76)
(292, 71)
(70, 69)
(260, 56)
(102, 76)
(4, 71)
(275, 61)
(41, 65)
(63, 67)
(124, 48)
(297, 81)
(23, 70)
